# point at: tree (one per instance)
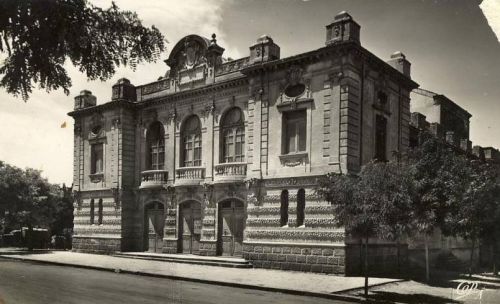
(32, 201)
(427, 162)
(370, 204)
(39, 36)
(473, 195)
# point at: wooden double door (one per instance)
(154, 224)
(231, 223)
(190, 224)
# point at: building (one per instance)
(222, 157)
(443, 117)
(448, 121)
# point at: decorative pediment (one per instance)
(188, 53)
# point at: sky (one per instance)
(451, 45)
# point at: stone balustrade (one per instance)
(189, 175)
(153, 178)
(230, 172)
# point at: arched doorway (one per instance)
(231, 222)
(189, 227)
(153, 227)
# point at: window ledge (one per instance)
(292, 103)
(293, 159)
(96, 177)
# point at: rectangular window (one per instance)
(192, 150)
(97, 156)
(157, 157)
(380, 138)
(294, 131)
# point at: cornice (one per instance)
(318, 54)
(210, 88)
(102, 107)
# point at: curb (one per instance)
(333, 295)
(370, 286)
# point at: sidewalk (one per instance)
(311, 284)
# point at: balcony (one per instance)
(230, 172)
(189, 176)
(153, 178)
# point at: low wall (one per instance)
(383, 259)
(101, 245)
(298, 257)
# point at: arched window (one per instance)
(99, 219)
(191, 142)
(233, 136)
(284, 208)
(301, 205)
(92, 211)
(156, 146)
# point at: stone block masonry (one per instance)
(96, 245)
(298, 257)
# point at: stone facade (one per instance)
(222, 157)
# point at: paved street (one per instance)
(26, 283)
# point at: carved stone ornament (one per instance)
(96, 178)
(207, 110)
(294, 75)
(293, 160)
(116, 122)
(296, 87)
(292, 181)
(96, 126)
(96, 120)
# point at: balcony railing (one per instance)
(230, 171)
(189, 175)
(153, 178)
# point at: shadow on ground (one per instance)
(25, 252)
(394, 297)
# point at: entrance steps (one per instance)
(188, 259)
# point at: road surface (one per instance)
(29, 283)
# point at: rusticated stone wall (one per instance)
(316, 246)
(95, 244)
(298, 257)
(208, 248)
(104, 237)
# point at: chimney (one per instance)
(466, 145)
(124, 90)
(342, 28)
(418, 120)
(435, 129)
(478, 152)
(491, 154)
(399, 62)
(264, 50)
(450, 138)
(85, 99)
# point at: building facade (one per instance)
(222, 157)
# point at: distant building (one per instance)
(450, 122)
(222, 157)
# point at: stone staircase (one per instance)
(448, 261)
(231, 262)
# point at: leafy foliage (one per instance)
(373, 203)
(433, 186)
(30, 200)
(40, 35)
